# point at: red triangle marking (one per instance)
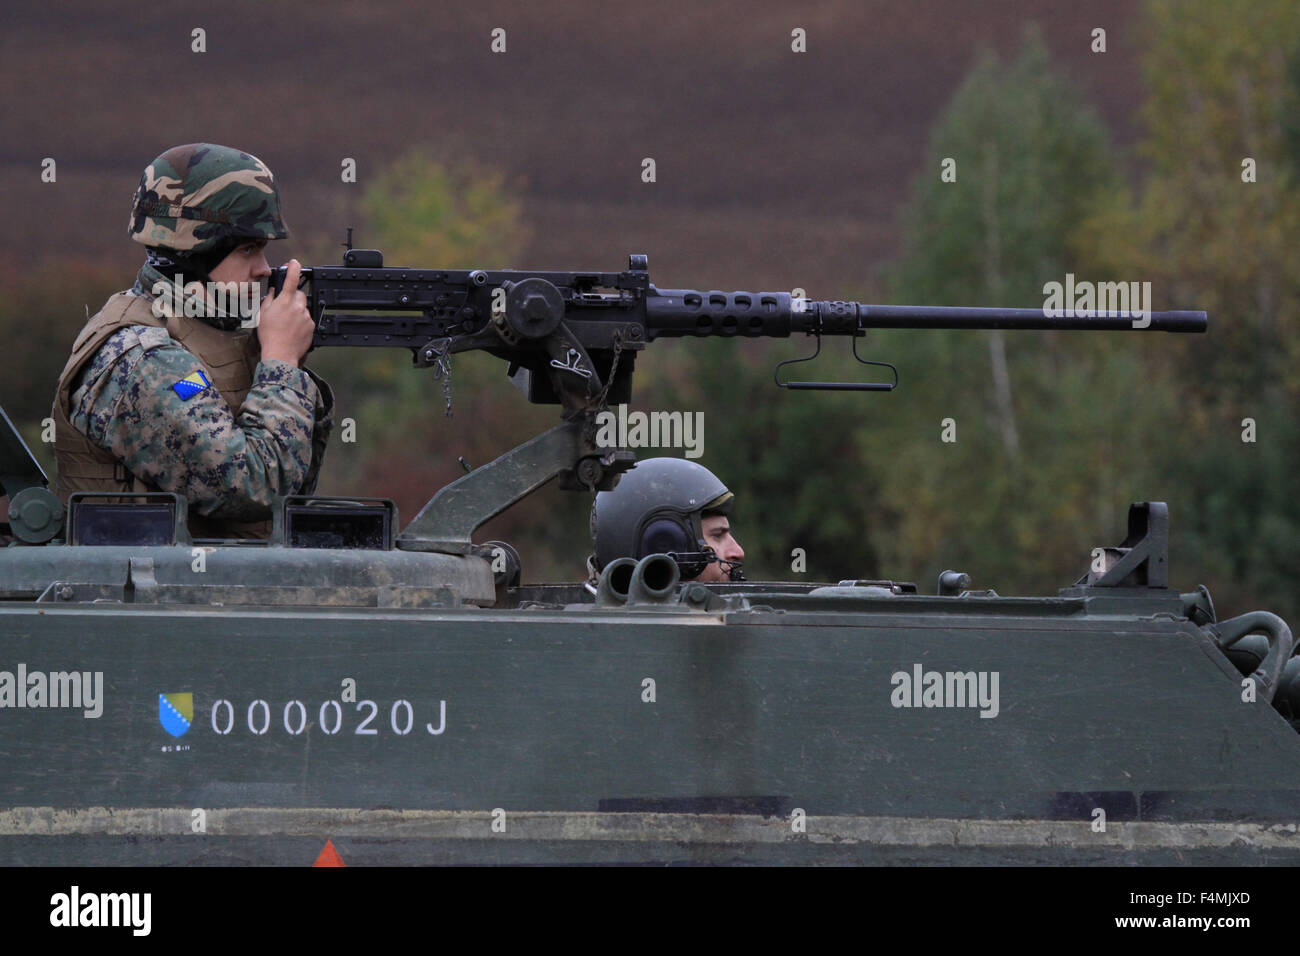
(329, 856)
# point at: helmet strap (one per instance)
(180, 269)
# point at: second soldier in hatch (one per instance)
(159, 395)
(667, 506)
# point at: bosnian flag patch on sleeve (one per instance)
(191, 385)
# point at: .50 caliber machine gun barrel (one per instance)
(678, 312)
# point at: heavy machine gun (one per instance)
(565, 327)
(571, 338)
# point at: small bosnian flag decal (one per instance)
(191, 385)
(176, 712)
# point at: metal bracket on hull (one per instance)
(1142, 561)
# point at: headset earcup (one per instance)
(669, 535)
(664, 535)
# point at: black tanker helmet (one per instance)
(657, 508)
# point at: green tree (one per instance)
(1049, 442)
(1214, 225)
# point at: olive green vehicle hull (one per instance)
(772, 730)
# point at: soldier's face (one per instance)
(246, 263)
(717, 535)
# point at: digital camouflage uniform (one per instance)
(170, 402)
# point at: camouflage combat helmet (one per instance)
(656, 509)
(196, 198)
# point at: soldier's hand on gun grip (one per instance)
(285, 327)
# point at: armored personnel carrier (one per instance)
(397, 694)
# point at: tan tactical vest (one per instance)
(228, 358)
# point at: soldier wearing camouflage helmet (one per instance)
(168, 389)
(668, 506)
